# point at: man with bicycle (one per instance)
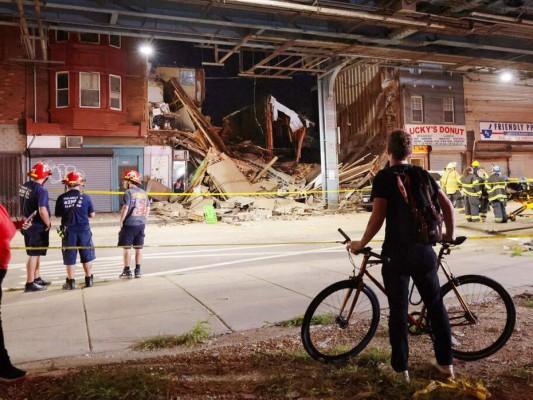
(405, 257)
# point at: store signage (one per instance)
(440, 137)
(509, 131)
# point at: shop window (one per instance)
(90, 38)
(187, 77)
(115, 92)
(449, 113)
(417, 109)
(90, 89)
(62, 36)
(114, 40)
(62, 89)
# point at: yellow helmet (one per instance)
(475, 163)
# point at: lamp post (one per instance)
(146, 50)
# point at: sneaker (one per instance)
(89, 281)
(8, 372)
(33, 287)
(39, 281)
(138, 273)
(446, 370)
(405, 376)
(126, 273)
(70, 284)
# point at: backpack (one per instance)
(426, 217)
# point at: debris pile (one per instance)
(244, 180)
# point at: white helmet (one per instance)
(451, 165)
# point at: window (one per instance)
(115, 92)
(90, 89)
(90, 38)
(417, 109)
(114, 40)
(447, 106)
(62, 36)
(61, 89)
(187, 77)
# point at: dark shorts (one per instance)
(131, 235)
(78, 239)
(36, 236)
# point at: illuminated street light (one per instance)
(506, 76)
(146, 50)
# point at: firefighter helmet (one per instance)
(132, 176)
(496, 168)
(40, 170)
(73, 178)
(475, 163)
(451, 165)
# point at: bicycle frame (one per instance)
(370, 258)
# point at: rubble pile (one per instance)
(244, 181)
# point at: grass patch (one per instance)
(517, 251)
(528, 304)
(102, 384)
(323, 319)
(373, 357)
(198, 334)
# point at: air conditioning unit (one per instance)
(73, 142)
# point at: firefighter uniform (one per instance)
(451, 185)
(497, 194)
(482, 177)
(471, 189)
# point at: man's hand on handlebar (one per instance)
(354, 246)
(447, 238)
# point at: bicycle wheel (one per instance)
(494, 317)
(326, 333)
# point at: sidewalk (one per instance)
(113, 315)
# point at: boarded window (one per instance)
(62, 97)
(90, 89)
(449, 113)
(114, 40)
(90, 38)
(417, 109)
(115, 92)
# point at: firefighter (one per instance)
(482, 177)
(471, 189)
(451, 185)
(497, 194)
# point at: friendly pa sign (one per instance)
(438, 136)
(507, 131)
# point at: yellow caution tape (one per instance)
(464, 386)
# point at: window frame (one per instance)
(99, 89)
(449, 110)
(62, 89)
(421, 109)
(119, 41)
(119, 93)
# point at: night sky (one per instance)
(226, 92)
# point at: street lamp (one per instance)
(146, 49)
(506, 76)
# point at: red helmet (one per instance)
(40, 170)
(73, 179)
(133, 176)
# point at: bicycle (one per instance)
(342, 319)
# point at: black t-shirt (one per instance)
(399, 225)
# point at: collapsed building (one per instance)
(250, 168)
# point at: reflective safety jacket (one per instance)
(450, 182)
(470, 186)
(496, 187)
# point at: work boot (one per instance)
(39, 281)
(138, 272)
(33, 287)
(446, 370)
(9, 373)
(89, 281)
(126, 273)
(70, 284)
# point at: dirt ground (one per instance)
(270, 363)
